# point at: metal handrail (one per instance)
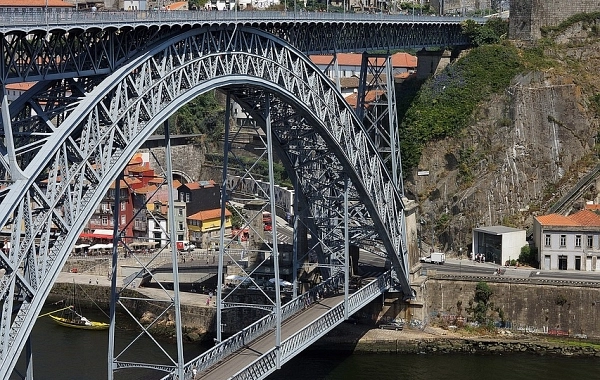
(45, 20)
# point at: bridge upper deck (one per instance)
(11, 21)
(56, 45)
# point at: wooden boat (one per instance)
(79, 322)
(71, 318)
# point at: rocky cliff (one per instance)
(523, 149)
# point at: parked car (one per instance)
(393, 325)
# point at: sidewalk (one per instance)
(187, 298)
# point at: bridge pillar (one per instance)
(431, 62)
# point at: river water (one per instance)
(70, 354)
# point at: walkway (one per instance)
(230, 366)
(187, 298)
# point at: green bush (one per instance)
(445, 103)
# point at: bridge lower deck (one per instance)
(225, 369)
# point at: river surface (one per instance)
(71, 354)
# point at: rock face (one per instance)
(528, 16)
(524, 149)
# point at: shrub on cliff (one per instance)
(446, 102)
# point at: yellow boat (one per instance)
(79, 322)
(69, 317)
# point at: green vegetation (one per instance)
(260, 169)
(528, 256)
(588, 19)
(446, 102)
(481, 306)
(492, 32)
(236, 216)
(203, 115)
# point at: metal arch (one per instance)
(93, 142)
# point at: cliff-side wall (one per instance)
(521, 144)
(527, 17)
(567, 307)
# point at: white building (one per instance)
(498, 244)
(135, 5)
(568, 242)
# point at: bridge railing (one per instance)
(267, 363)
(10, 19)
(255, 330)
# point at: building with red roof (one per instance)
(568, 242)
(29, 5)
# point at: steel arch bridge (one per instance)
(101, 93)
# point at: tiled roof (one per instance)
(35, 4)
(353, 59)
(138, 169)
(122, 185)
(556, 220)
(582, 218)
(23, 86)
(136, 160)
(146, 189)
(209, 214)
(590, 206)
(200, 184)
(586, 218)
(181, 5)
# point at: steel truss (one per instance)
(99, 46)
(72, 137)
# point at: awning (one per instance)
(101, 246)
(95, 236)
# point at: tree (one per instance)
(492, 32)
(526, 256)
(480, 305)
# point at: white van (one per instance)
(184, 245)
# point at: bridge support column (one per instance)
(221, 249)
(113, 282)
(346, 251)
(28, 360)
(175, 268)
(274, 230)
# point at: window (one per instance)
(563, 241)
(577, 241)
(123, 219)
(590, 241)
(180, 226)
(547, 241)
(180, 211)
(187, 197)
(123, 206)
(105, 220)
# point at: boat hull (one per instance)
(80, 325)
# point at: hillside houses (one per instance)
(144, 204)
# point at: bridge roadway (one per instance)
(228, 367)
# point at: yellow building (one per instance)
(205, 225)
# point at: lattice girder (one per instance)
(71, 169)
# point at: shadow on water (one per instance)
(325, 365)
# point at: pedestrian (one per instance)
(194, 372)
(90, 281)
(96, 281)
(207, 301)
